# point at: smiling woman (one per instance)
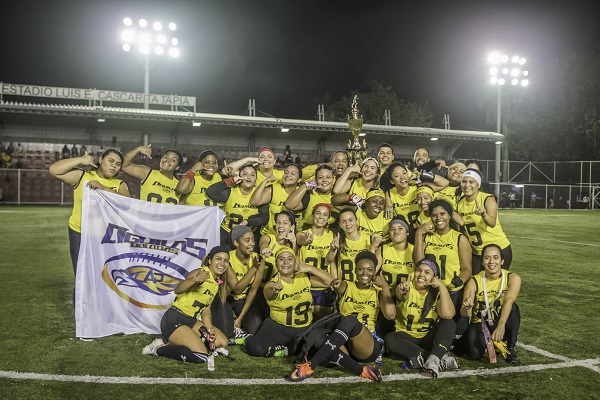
(69, 171)
(158, 186)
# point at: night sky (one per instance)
(284, 53)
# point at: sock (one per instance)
(181, 353)
(340, 358)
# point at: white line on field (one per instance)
(555, 240)
(589, 363)
(545, 353)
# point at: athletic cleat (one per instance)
(277, 351)
(414, 362)
(240, 339)
(151, 348)
(301, 372)
(449, 362)
(512, 357)
(432, 366)
(371, 373)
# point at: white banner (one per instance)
(15, 89)
(133, 254)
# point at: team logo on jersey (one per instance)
(142, 278)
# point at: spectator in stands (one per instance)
(74, 151)
(9, 149)
(512, 199)
(19, 164)
(2, 148)
(103, 178)
(20, 150)
(82, 149)
(532, 200)
(98, 153)
(5, 160)
(66, 153)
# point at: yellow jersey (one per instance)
(197, 197)
(362, 303)
(347, 254)
(397, 266)
(293, 304)
(157, 188)
(314, 253)
(194, 301)
(408, 314)
(443, 249)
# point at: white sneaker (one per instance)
(151, 348)
(449, 362)
(432, 366)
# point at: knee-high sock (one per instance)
(181, 353)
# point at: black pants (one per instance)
(74, 245)
(437, 341)
(271, 334)
(252, 320)
(475, 342)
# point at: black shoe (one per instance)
(512, 357)
(415, 362)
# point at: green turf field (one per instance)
(556, 252)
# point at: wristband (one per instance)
(229, 181)
(189, 175)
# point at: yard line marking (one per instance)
(545, 353)
(555, 240)
(589, 363)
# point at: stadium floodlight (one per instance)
(285, 130)
(149, 42)
(504, 69)
(433, 139)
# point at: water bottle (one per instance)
(211, 363)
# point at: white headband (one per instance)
(473, 175)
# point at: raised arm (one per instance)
(386, 301)
(64, 170)
(137, 171)
(263, 193)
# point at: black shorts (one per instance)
(323, 298)
(172, 320)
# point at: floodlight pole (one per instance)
(146, 80)
(498, 145)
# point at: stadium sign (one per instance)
(13, 89)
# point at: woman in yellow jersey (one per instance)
(290, 303)
(270, 244)
(187, 325)
(244, 275)
(315, 250)
(348, 243)
(360, 303)
(353, 191)
(490, 299)
(306, 196)
(400, 196)
(451, 250)
(479, 211)
(424, 324)
(371, 218)
(395, 261)
(265, 162)
(158, 186)
(235, 193)
(104, 178)
(451, 193)
(274, 193)
(196, 180)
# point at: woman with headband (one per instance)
(290, 304)
(481, 223)
(196, 180)
(316, 250)
(311, 193)
(353, 191)
(371, 218)
(424, 324)
(489, 301)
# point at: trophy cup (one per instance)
(355, 150)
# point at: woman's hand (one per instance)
(498, 334)
(435, 282)
(87, 159)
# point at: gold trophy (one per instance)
(355, 150)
